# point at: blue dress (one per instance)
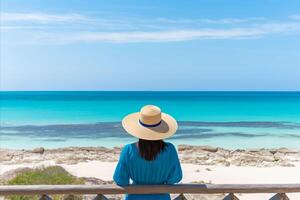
(165, 169)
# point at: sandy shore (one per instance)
(200, 164)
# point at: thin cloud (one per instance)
(295, 17)
(41, 17)
(161, 36)
(68, 28)
(209, 21)
(20, 28)
(176, 35)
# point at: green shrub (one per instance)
(54, 175)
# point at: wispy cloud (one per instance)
(295, 17)
(41, 17)
(209, 21)
(70, 28)
(38, 17)
(183, 35)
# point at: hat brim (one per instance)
(167, 127)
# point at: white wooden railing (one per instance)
(45, 191)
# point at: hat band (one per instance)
(150, 125)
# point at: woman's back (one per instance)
(151, 160)
(164, 169)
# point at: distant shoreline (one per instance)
(200, 155)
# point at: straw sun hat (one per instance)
(150, 124)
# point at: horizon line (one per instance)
(149, 90)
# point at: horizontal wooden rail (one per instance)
(148, 189)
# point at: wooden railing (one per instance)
(45, 191)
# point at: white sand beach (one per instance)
(193, 172)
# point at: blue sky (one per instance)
(150, 45)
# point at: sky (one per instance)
(202, 45)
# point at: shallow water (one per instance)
(227, 119)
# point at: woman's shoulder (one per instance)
(127, 152)
(169, 144)
(170, 147)
(129, 148)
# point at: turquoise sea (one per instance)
(226, 119)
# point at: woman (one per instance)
(150, 160)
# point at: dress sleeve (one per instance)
(175, 173)
(121, 176)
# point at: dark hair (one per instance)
(149, 149)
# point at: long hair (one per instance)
(149, 149)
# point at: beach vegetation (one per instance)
(52, 175)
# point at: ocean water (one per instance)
(226, 119)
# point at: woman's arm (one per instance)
(176, 172)
(121, 176)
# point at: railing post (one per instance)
(180, 197)
(231, 196)
(45, 197)
(280, 196)
(100, 197)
